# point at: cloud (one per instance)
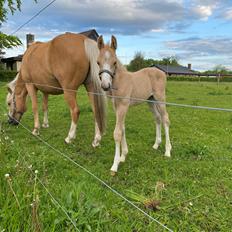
(204, 53)
(126, 17)
(227, 14)
(201, 47)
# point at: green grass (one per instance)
(197, 178)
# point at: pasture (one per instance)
(197, 193)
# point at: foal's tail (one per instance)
(99, 96)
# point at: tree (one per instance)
(171, 60)
(6, 6)
(139, 62)
(220, 69)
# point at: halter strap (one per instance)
(106, 71)
(14, 105)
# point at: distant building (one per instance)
(14, 63)
(176, 70)
(92, 34)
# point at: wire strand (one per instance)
(53, 198)
(97, 178)
(34, 16)
(142, 100)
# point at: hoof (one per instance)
(167, 154)
(95, 144)
(122, 158)
(155, 146)
(35, 132)
(112, 173)
(45, 125)
(67, 140)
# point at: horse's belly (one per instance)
(49, 86)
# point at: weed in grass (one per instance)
(35, 207)
(9, 182)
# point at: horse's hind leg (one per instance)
(157, 117)
(166, 124)
(45, 110)
(70, 98)
(32, 91)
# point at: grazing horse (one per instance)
(60, 66)
(124, 87)
(9, 101)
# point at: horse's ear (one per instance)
(113, 42)
(100, 42)
(9, 89)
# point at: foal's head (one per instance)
(107, 62)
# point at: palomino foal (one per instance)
(124, 87)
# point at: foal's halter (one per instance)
(108, 72)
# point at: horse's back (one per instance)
(67, 56)
(61, 62)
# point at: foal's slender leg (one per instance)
(157, 117)
(45, 111)
(166, 123)
(70, 98)
(32, 91)
(124, 145)
(121, 109)
(97, 136)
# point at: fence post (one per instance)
(218, 78)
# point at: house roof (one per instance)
(12, 59)
(178, 70)
(92, 34)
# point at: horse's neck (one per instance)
(20, 86)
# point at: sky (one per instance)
(194, 31)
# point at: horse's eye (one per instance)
(115, 63)
(8, 103)
(98, 63)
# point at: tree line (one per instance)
(139, 62)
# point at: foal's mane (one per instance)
(120, 66)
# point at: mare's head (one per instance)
(107, 62)
(16, 101)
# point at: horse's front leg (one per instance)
(32, 91)
(119, 138)
(70, 98)
(45, 111)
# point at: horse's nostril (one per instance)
(15, 123)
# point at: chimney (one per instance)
(189, 66)
(30, 39)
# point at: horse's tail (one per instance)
(99, 96)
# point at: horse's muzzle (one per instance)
(106, 89)
(12, 121)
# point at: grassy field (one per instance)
(197, 193)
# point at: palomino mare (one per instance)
(123, 86)
(60, 66)
(9, 100)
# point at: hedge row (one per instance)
(195, 78)
(6, 76)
